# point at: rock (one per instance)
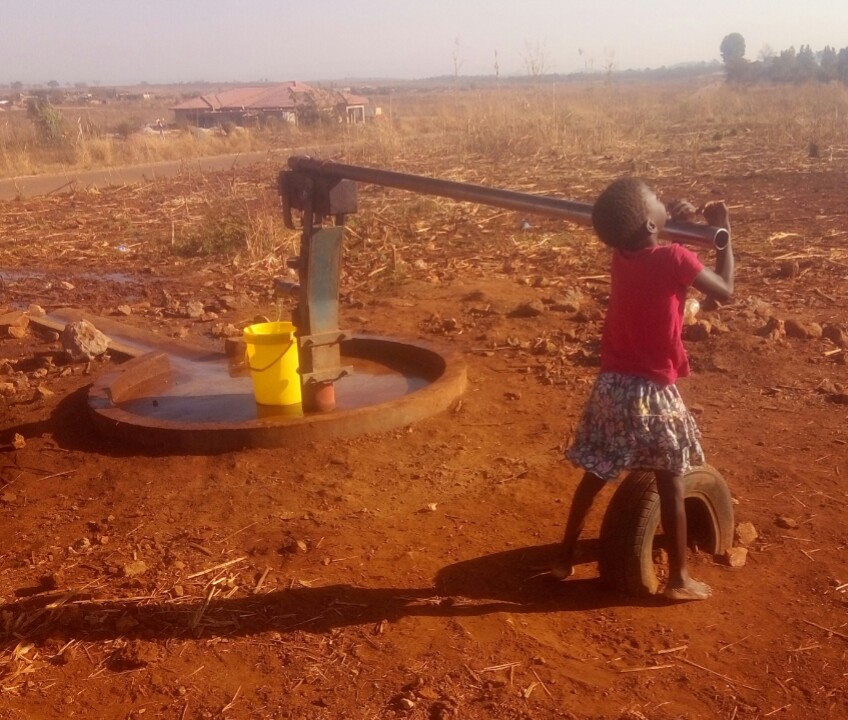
(231, 302)
(195, 310)
(572, 301)
(698, 331)
(755, 309)
(138, 653)
(125, 310)
(18, 442)
(719, 326)
(773, 329)
(14, 319)
(802, 331)
(65, 285)
(736, 557)
(534, 308)
(786, 522)
(828, 387)
(406, 703)
(44, 392)
(590, 314)
(8, 498)
(66, 656)
(83, 545)
(746, 533)
(50, 336)
(223, 331)
(134, 568)
(835, 334)
(7, 389)
(789, 269)
(17, 332)
(82, 341)
(36, 311)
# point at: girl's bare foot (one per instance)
(562, 570)
(689, 589)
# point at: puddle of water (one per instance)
(210, 392)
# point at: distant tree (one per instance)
(807, 67)
(785, 65)
(53, 84)
(842, 65)
(828, 64)
(17, 86)
(732, 50)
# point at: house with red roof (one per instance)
(292, 102)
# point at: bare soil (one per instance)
(405, 575)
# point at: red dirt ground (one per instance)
(344, 596)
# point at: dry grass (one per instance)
(497, 124)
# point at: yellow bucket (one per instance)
(272, 359)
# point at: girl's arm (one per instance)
(719, 283)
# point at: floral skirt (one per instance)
(631, 423)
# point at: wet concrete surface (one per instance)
(213, 392)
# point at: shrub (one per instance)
(47, 120)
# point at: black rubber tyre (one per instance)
(629, 529)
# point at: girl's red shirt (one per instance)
(644, 321)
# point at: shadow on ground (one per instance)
(510, 581)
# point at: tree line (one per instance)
(787, 66)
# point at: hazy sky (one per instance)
(158, 41)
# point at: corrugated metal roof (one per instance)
(285, 96)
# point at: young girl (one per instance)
(635, 417)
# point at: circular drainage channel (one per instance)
(168, 403)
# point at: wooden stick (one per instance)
(220, 566)
(646, 668)
(717, 674)
(232, 702)
(671, 650)
(724, 647)
(827, 629)
(777, 710)
(544, 687)
(261, 580)
(504, 666)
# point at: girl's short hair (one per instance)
(620, 212)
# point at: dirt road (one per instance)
(32, 185)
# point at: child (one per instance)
(635, 417)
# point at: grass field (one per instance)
(494, 123)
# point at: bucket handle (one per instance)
(272, 363)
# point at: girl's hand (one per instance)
(716, 214)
